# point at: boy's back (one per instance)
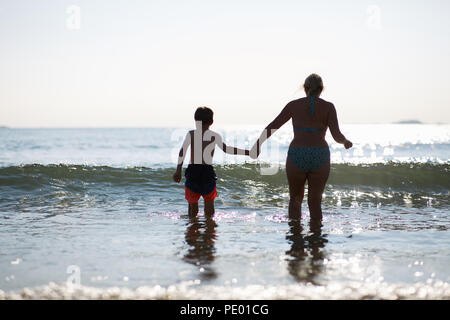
(202, 146)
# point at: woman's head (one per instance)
(313, 85)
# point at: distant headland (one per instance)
(408, 122)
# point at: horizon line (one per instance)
(218, 125)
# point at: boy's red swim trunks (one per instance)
(200, 181)
(193, 197)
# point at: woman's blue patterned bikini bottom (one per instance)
(309, 159)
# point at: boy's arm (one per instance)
(227, 149)
(181, 156)
(234, 150)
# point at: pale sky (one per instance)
(151, 63)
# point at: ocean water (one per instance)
(94, 213)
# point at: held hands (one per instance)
(253, 152)
(248, 153)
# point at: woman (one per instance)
(308, 156)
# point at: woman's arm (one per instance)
(276, 124)
(333, 124)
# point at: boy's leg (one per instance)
(193, 209)
(192, 198)
(209, 202)
(209, 208)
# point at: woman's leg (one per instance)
(316, 185)
(296, 179)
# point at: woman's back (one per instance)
(310, 121)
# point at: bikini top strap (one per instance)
(311, 105)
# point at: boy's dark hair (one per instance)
(204, 114)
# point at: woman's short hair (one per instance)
(313, 85)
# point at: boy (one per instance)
(200, 175)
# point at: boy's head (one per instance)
(205, 115)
